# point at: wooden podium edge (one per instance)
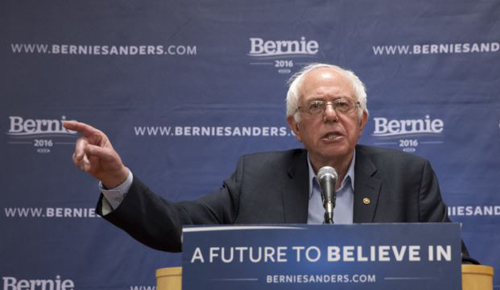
(171, 271)
(478, 269)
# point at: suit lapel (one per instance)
(295, 189)
(366, 188)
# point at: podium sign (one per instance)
(362, 256)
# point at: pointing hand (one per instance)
(95, 155)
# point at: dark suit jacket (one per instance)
(273, 188)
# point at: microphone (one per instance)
(327, 177)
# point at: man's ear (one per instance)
(294, 126)
(362, 122)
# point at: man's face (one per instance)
(330, 137)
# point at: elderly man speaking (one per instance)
(326, 109)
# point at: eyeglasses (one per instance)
(341, 105)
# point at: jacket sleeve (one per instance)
(431, 205)
(432, 208)
(157, 222)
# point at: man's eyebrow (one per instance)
(324, 98)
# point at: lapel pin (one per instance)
(366, 200)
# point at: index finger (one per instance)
(82, 128)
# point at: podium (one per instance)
(361, 256)
(477, 277)
(169, 278)
(474, 277)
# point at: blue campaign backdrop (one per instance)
(183, 88)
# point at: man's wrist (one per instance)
(116, 180)
(115, 196)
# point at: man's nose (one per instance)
(330, 113)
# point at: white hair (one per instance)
(295, 83)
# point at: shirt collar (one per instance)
(348, 176)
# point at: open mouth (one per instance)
(332, 136)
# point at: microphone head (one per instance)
(327, 171)
(327, 176)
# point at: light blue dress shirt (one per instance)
(344, 205)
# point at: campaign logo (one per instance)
(282, 55)
(42, 134)
(12, 283)
(408, 134)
